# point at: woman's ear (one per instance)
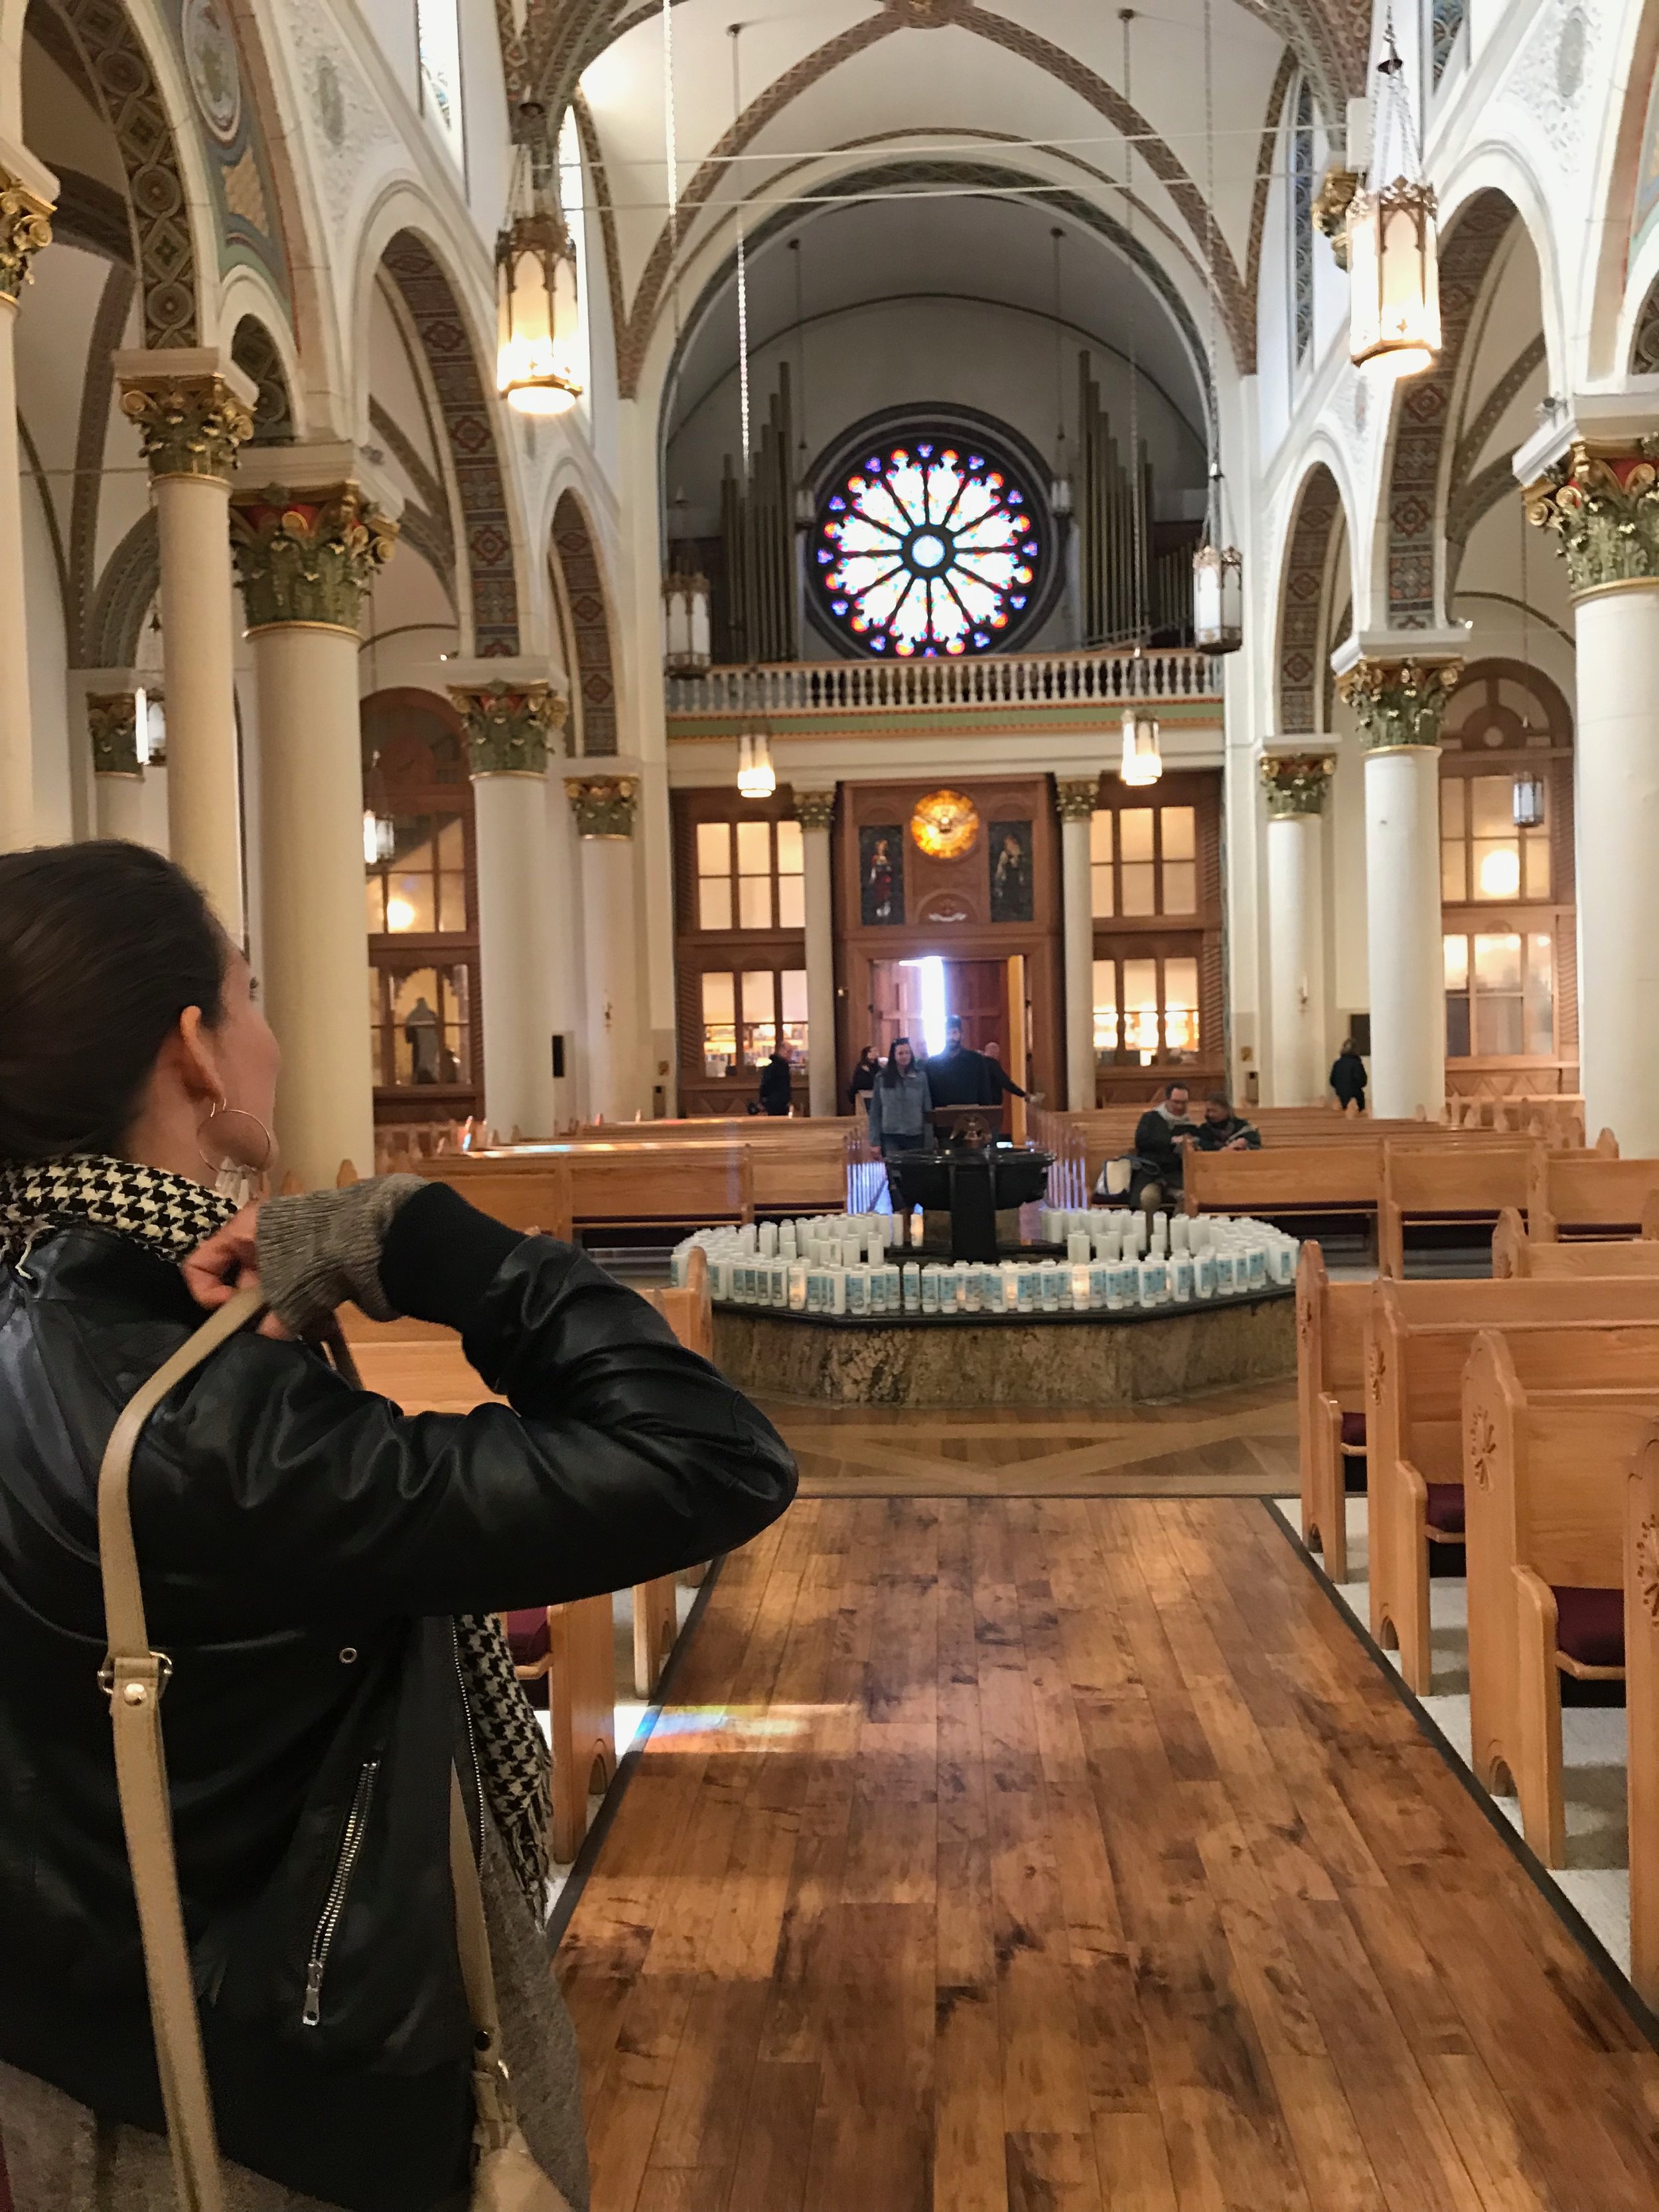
(196, 1063)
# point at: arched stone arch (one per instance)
(105, 51)
(254, 349)
(441, 324)
(592, 675)
(1319, 513)
(1412, 520)
(126, 590)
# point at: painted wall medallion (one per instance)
(945, 825)
(210, 62)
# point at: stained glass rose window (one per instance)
(930, 544)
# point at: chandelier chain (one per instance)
(1137, 475)
(734, 32)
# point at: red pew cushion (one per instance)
(1353, 1432)
(1444, 1510)
(1589, 1625)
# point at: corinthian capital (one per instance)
(307, 556)
(603, 804)
(1296, 783)
(1076, 798)
(190, 414)
(815, 810)
(1399, 703)
(25, 227)
(509, 726)
(112, 726)
(1602, 504)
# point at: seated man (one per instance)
(1162, 1136)
(1223, 1131)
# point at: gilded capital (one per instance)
(603, 804)
(1330, 210)
(1076, 797)
(1603, 506)
(112, 725)
(1399, 703)
(815, 810)
(25, 227)
(1296, 783)
(509, 726)
(307, 556)
(190, 426)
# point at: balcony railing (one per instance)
(819, 687)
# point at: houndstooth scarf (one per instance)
(171, 1215)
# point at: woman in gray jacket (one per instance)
(899, 1106)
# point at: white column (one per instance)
(1296, 787)
(510, 717)
(1402, 908)
(815, 810)
(305, 560)
(1618, 840)
(1076, 802)
(1398, 702)
(118, 772)
(193, 409)
(26, 193)
(604, 806)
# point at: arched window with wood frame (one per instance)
(421, 886)
(1508, 899)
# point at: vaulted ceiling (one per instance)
(1053, 102)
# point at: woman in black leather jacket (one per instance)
(316, 1566)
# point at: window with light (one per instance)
(438, 36)
(933, 543)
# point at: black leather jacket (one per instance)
(304, 1547)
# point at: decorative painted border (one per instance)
(584, 588)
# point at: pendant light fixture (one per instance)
(684, 623)
(379, 830)
(1142, 759)
(1217, 567)
(538, 314)
(1059, 491)
(1394, 252)
(756, 778)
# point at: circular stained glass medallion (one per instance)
(930, 544)
(945, 825)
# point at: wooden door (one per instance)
(976, 994)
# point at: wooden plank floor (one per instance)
(1044, 1854)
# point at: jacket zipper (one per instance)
(467, 1715)
(351, 1845)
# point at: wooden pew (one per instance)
(1330, 1368)
(1295, 1182)
(1641, 1574)
(690, 1312)
(1589, 1194)
(1460, 1179)
(1547, 1470)
(1514, 1253)
(524, 1193)
(1417, 1341)
(563, 1188)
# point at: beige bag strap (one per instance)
(134, 1678)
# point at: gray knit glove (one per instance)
(318, 1249)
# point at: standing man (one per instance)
(1348, 1076)
(776, 1083)
(958, 1076)
(1006, 1086)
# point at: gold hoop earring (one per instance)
(233, 1179)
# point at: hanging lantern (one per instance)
(1528, 800)
(1218, 598)
(806, 507)
(685, 624)
(538, 314)
(1143, 762)
(379, 839)
(756, 778)
(1060, 495)
(1394, 275)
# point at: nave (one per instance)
(1070, 1851)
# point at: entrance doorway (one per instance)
(915, 997)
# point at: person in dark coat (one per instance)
(1162, 1136)
(862, 1080)
(959, 1077)
(321, 1570)
(1004, 1084)
(777, 1084)
(1221, 1130)
(1348, 1076)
